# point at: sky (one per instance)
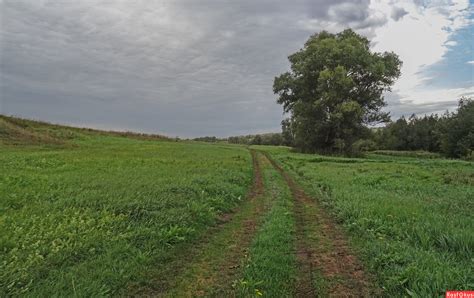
(192, 68)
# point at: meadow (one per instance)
(92, 213)
(410, 219)
(87, 213)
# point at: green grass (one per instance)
(416, 154)
(410, 219)
(92, 213)
(210, 271)
(270, 268)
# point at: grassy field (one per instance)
(252, 255)
(410, 219)
(90, 213)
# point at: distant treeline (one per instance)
(275, 139)
(451, 134)
(207, 139)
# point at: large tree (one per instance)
(334, 89)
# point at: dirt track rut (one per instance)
(212, 271)
(323, 251)
(326, 265)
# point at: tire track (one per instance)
(216, 266)
(322, 249)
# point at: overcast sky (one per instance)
(192, 68)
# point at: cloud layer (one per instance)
(193, 68)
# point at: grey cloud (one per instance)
(397, 108)
(339, 15)
(398, 13)
(184, 68)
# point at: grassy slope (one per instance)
(91, 212)
(411, 219)
(18, 131)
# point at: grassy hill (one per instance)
(18, 131)
(87, 212)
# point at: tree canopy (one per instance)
(451, 134)
(335, 88)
